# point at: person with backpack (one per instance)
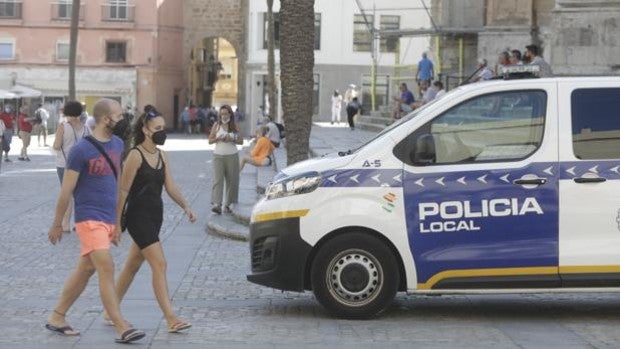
(353, 108)
(41, 115)
(274, 131)
(68, 134)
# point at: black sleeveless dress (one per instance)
(145, 209)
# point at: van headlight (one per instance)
(301, 184)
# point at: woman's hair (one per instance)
(149, 113)
(232, 127)
(72, 108)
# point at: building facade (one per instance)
(577, 37)
(128, 50)
(343, 46)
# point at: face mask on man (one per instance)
(159, 137)
(120, 127)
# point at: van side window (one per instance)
(494, 127)
(596, 123)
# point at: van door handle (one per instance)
(530, 181)
(589, 180)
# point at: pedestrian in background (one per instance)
(426, 71)
(92, 177)
(7, 136)
(225, 135)
(336, 107)
(40, 127)
(185, 120)
(484, 73)
(68, 134)
(532, 54)
(502, 60)
(259, 156)
(25, 130)
(146, 171)
(353, 108)
(274, 132)
(515, 57)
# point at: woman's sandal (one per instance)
(179, 326)
(64, 330)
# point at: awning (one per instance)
(25, 92)
(4, 94)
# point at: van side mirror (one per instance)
(423, 152)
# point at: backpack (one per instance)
(281, 130)
(37, 117)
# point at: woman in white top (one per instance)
(68, 134)
(225, 135)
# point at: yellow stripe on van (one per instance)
(280, 215)
(486, 272)
(590, 269)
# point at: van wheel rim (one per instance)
(354, 278)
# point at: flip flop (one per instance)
(130, 335)
(64, 330)
(179, 326)
(109, 322)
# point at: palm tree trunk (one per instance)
(296, 66)
(75, 18)
(271, 64)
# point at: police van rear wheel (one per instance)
(355, 276)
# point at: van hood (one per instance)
(326, 162)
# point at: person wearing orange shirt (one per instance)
(259, 156)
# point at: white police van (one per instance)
(499, 186)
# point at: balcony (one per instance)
(10, 9)
(62, 11)
(117, 13)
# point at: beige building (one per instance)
(577, 37)
(135, 51)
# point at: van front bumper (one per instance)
(278, 253)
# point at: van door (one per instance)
(481, 196)
(590, 184)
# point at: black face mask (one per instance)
(159, 137)
(120, 128)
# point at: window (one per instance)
(276, 31)
(317, 31)
(502, 126)
(362, 39)
(116, 52)
(118, 10)
(316, 89)
(10, 9)
(596, 123)
(64, 9)
(382, 89)
(62, 51)
(7, 49)
(390, 44)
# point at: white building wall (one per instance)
(337, 31)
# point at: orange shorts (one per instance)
(94, 235)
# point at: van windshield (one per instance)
(395, 124)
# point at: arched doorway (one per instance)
(213, 73)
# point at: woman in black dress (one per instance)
(145, 172)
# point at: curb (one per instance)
(233, 231)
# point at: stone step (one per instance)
(242, 213)
(379, 120)
(224, 226)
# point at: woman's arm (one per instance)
(130, 168)
(174, 192)
(213, 134)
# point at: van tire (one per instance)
(363, 274)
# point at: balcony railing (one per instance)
(62, 11)
(118, 13)
(10, 9)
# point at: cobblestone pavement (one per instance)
(207, 281)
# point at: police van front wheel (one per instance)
(355, 276)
